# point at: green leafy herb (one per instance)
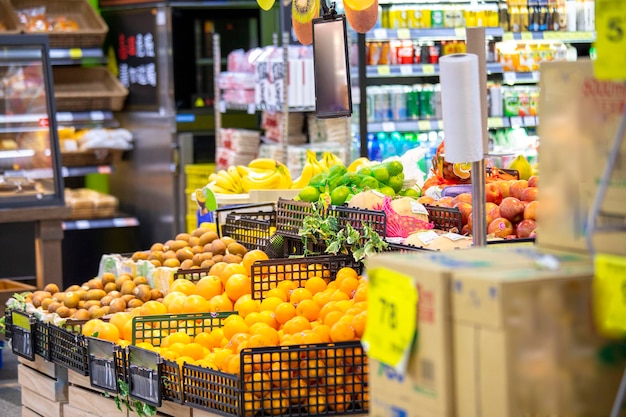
(142, 409)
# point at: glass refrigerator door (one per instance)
(29, 154)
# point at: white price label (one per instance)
(418, 208)
(516, 121)
(251, 108)
(529, 121)
(222, 106)
(380, 33)
(96, 115)
(454, 236)
(82, 224)
(406, 69)
(427, 237)
(389, 126)
(65, 117)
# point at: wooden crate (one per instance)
(27, 412)
(33, 402)
(93, 402)
(48, 388)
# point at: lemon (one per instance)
(387, 191)
(381, 174)
(309, 194)
(396, 182)
(339, 195)
(394, 167)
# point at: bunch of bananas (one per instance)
(311, 168)
(260, 174)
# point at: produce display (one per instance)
(36, 20)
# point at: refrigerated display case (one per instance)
(30, 173)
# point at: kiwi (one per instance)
(200, 231)
(106, 300)
(109, 287)
(208, 237)
(237, 249)
(194, 241)
(140, 255)
(134, 303)
(183, 236)
(51, 288)
(184, 253)
(156, 247)
(218, 247)
(143, 292)
(155, 294)
(117, 305)
(231, 259)
(155, 263)
(107, 277)
(95, 294)
(81, 314)
(140, 280)
(197, 249)
(72, 299)
(187, 264)
(302, 14)
(172, 263)
(361, 20)
(207, 263)
(128, 287)
(63, 312)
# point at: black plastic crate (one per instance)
(399, 247)
(445, 218)
(69, 349)
(23, 334)
(290, 215)
(357, 218)
(193, 275)
(42, 340)
(107, 364)
(293, 246)
(252, 230)
(319, 379)
(172, 387)
(192, 323)
(266, 275)
(7, 323)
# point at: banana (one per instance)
(234, 174)
(304, 179)
(242, 170)
(286, 181)
(226, 182)
(217, 189)
(263, 163)
(271, 181)
(331, 159)
(212, 177)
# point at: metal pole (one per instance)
(476, 45)
(285, 135)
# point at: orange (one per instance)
(276, 292)
(233, 327)
(179, 337)
(361, 293)
(332, 318)
(205, 340)
(218, 269)
(170, 355)
(127, 331)
(341, 332)
(323, 331)
(339, 295)
(220, 356)
(269, 318)
(183, 285)
(232, 269)
(195, 304)
(308, 309)
(237, 340)
(123, 343)
(176, 305)
(150, 308)
(107, 331)
(233, 365)
(296, 324)
(251, 257)
(349, 285)
(315, 285)
(145, 345)
(327, 308)
(90, 326)
(237, 285)
(345, 305)
(195, 350)
(270, 303)
(183, 360)
(300, 294)
(209, 286)
(344, 272)
(220, 303)
(287, 286)
(245, 306)
(171, 296)
(284, 312)
(269, 333)
(119, 320)
(178, 348)
(253, 317)
(358, 324)
(321, 298)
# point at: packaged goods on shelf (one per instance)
(88, 204)
(427, 16)
(327, 130)
(236, 147)
(526, 56)
(272, 123)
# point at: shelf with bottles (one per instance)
(428, 125)
(570, 37)
(376, 72)
(569, 20)
(458, 33)
(114, 222)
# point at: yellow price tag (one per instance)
(508, 36)
(495, 122)
(609, 293)
(428, 69)
(391, 318)
(76, 53)
(384, 70)
(424, 125)
(610, 63)
(459, 32)
(20, 320)
(404, 34)
(527, 36)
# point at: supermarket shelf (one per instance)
(122, 221)
(415, 70)
(62, 117)
(68, 172)
(437, 33)
(429, 125)
(73, 56)
(574, 37)
(252, 108)
(520, 77)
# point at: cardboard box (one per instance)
(524, 345)
(428, 388)
(579, 119)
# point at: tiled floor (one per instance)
(10, 394)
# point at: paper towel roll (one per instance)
(460, 102)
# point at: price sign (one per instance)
(424, 125)
(527, 36)
(22, 340)
(404, 34)
(145, 376)
(495, 122)
(610, 63)
(384, 70)
(428, 69)
(76, 53)
(392, 317)
(609, 293)
(406, 69)
(389, 126)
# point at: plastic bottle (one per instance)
(589, 16)
(571, 10)
(374, 151)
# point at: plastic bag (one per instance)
(401, 226)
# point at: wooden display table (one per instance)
(48, 236)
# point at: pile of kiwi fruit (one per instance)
(96, 297)
(201, 248)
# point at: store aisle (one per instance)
(10, 393)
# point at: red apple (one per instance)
(517, 187)
(444, 202)
(467, 230)
(525, 228)
(529, 194)
(512, 209)
(500, 227)
(504, 188)
(462, 198)
(493, 194)
(426, 200)
(531, 210)
(465, 209)
(493, 212)
(533, 181)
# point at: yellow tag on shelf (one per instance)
(609, 295)
(391, 318)
(21, 321)
(76, 53)
(384, 70)
(424, 125)
(527, 36)
(404, 34)
(428, 69)
(459, 32)
(495, 122)
(610, 63)
(508, 36)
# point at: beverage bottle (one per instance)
(571, 11)
(374, 151)
(503, 16)
(589, 15)
(387, 145)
